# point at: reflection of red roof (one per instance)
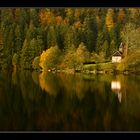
(117, 53)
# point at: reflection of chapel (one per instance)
(116, 88)
(118, 55)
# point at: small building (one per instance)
(117, 57)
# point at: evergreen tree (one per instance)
(69, 38)
(90, 29)
(51, 37)
(28, 53)
(34, 17)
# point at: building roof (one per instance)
(117, 53)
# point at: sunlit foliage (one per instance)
(49, 58)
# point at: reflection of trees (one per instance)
(24, 106)
(14, 78)
(9, 102)
(130, 108)
(35, 77)
(49, 83)
(71, 113)
(73, 85)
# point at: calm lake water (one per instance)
(31, 101)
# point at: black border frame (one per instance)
(69, 3)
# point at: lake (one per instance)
(32, 101)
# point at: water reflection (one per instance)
(116, 87)
(56, 102)
(49, 83)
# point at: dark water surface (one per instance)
(31, 101)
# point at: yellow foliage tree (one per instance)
(42, 59)
(109, 19)
(49, 58)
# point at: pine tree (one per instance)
(34, 17)
(18, 39)
(90, 30)
(69, 38)
(51, 37)
(28, 54)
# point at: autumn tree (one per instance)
(46, 17)
(109, 19)
(49, 59)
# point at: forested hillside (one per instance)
(66, 37)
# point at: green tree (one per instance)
(82, 55)
(28, 53)
(69, 60)
(34, 16)
(18, 39)
(51, 37)
(69, 38)
(90, 32)
(105, 48)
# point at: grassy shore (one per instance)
(100, 68)
(110, 67)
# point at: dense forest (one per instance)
(66, 38)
